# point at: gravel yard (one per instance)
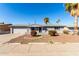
(46, 38)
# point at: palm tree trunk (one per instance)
(76, 24)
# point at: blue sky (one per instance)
(28, 13)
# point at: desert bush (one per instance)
(33, 33)
(51, 41)
(52, 32)
(65, 31)
(78, 33)
(24, 42)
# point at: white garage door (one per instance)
(21, 30)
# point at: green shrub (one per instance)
(52, 32)
(33, 33)
(66, 32)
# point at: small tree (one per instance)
(58, 20)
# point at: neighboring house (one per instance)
(4, 28)
(40, 28)
(72, 28)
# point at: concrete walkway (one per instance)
(40, 49)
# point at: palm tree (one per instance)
(58, 20)
(46, 20)
(72, 8)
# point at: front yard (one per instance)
(45, 39)
(57, 46)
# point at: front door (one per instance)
(40, 29)
(37, 29)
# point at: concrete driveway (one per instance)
(6, 37)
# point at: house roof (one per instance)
(35, 25)
(38, 25)
(54, 25)
(20, 26)
(70, 26)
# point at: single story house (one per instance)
(9, 28)
(40, 28)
